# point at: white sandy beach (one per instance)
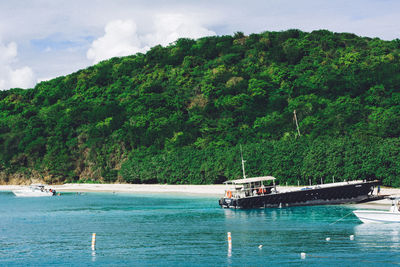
(194, 190)
(215, 190)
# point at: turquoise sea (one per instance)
(178, 230)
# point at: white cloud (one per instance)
(8, 52)
(121, 37)
(169, 27)
(10, 76)
(44, 79)
(22, 77)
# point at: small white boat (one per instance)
(378, 216)
(35, 190)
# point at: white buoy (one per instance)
(303, 255)
(351, 237)
(93, 241)
(328, 239)
(260, 246)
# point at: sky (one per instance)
(44, 39)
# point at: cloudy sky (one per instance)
(44, 39)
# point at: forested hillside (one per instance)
(178, 114)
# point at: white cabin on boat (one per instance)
(246, 187)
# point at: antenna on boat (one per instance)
(243, 161)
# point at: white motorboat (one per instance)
(35, 190)
(380, 216)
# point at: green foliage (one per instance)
(177, 114)
(292, 161)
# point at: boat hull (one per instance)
(24, 193)
(341, 194)
(373, 216)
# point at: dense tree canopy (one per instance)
(177, 114)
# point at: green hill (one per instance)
(177, 114)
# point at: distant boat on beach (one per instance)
(34, 190)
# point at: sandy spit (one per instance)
(133, 188)
(195, 190)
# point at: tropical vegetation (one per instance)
(178, 114)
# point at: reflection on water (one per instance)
(313, 214)
(287, 232)
(93, 255)
(378, 235)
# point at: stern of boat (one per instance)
(227, 203)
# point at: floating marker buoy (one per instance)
(351, 237)
(302, 255)
(328, 239)
(93, 241)
(260, 246)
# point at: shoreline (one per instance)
(216, 190)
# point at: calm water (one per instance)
(154, 230)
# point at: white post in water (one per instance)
(229, 244)
(93, 241)
(351, 237)
(303, 255)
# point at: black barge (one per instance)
(249, 193)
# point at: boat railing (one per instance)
(248, 192)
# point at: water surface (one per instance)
(154, 229)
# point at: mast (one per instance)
(297, 125)
(243, 161)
